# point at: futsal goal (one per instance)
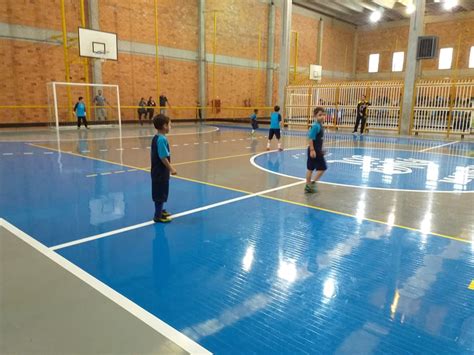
(102, 104)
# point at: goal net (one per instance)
(102, 104)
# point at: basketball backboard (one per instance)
(97, 44)
(315, 72)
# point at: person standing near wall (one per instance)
(151, 108)
(100, 111)
(361, 114)
(141, 110)
(163, 102)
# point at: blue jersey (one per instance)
(80, 109)
(163, 147)
(275, 119)
(316, 134)
(253, 117)
(315, 129)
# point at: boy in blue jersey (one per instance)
(275, 119)
(253, 120)
(80, 112)
(316, 153)
(161, 168)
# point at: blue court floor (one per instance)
(260, 275)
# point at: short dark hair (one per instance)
(160, 120)
(80, 98)
(318, 109)
(277, 108)
(256, 110)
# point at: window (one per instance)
(471, 58)
(445, 58)
(374, 63)
(397, 61)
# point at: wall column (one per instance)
(416, 29)
(94, 20)
(202, 57)
(270, 54)
(284, 53)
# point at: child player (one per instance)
(161, 167)
(316, 159)
(253, 120)
(275, 119)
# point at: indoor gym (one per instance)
(379, 260)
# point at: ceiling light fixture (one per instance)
(410, 9)
(375, 16)
(449, 4)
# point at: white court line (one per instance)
(438, 146)
(119, 149)
(196, 143)
(135, 148)
(91, 175)
(28, 153)
(7, 154)
(119, 172)
(108, 173)
(146, 317)
(85, 151)
(104, 138)
(48, 153)
(174, 216)
(129, 170)
(103, 150)
(252, 161)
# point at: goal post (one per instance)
(102, 103)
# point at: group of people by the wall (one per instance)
(147, 108)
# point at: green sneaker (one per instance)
(165, 214)
(309, 189)
(162, 220)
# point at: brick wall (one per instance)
(387, 40)
(26, 67)
(42, 14)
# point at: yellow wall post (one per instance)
(157, 58)
(66, 58)
(85, 60)
(296, 57)
(257, 101)
(214, 48)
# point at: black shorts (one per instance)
(254, 124)
(272, 132)
(318, 163)
(160, 187)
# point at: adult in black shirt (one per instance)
(361, 114)
(163, 102)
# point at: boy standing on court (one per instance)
(161, 168)
(253, 120)
(80, 112)
(275, 119)
(316, 159)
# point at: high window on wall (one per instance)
(445, 58)
(374, 63)
(471, 58)
(397, 61)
